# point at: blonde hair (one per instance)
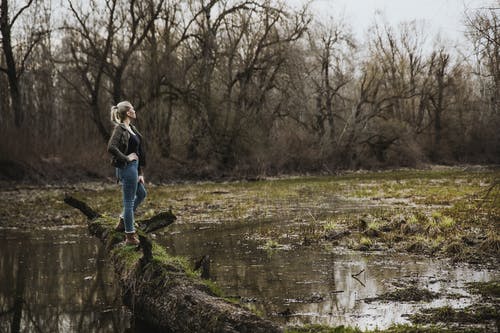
(119, 111)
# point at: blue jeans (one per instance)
(133, 193)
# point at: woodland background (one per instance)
(237, 88)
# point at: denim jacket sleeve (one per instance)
(113, 145)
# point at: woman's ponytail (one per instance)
(114, 115)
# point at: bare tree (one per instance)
(255, 63)
(241, 46)
(387, 81)
(159, 60)
(89, 40)
(484, 31)
(17, 54)
(332, 46)
(101, 45)
(137, 21)
(439, 64)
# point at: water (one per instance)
(314, 284)
(57, 281)
(60, 280)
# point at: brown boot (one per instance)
(120, 227)
(131, 239)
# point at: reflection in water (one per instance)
(60, 281)
(315, 285)
(57, 281)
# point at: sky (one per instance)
(443, 17)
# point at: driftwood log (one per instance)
(162, 292)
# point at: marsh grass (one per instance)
(480, 314)
(492, 243)
(365, 241)
(421, 229)
(393, 329)
(408, 206)
(331, 225)
(271, 244)
(408, 294)
(425, 212)
(489, 290)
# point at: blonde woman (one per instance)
(127, 150)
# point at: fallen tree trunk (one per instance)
(162, 290)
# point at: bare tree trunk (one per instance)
(439, 65)
(11, 70)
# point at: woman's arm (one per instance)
(113, 146)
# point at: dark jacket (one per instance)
(118, 145)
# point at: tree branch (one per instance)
(81, 206)
(30, 2)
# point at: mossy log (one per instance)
(162, 290)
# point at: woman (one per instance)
(126, 147)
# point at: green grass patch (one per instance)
(127, 255)
(271, 244)
(365, 241)
(215, 289)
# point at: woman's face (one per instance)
(131, 113)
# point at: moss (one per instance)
(127, 255)
(114, 238)
(214, 288)
(232, 300)
(160, 255)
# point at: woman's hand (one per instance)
(141, 179)
(132, 157)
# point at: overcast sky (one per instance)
(438, 16)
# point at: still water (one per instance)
(57, 281)
(60, 280)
